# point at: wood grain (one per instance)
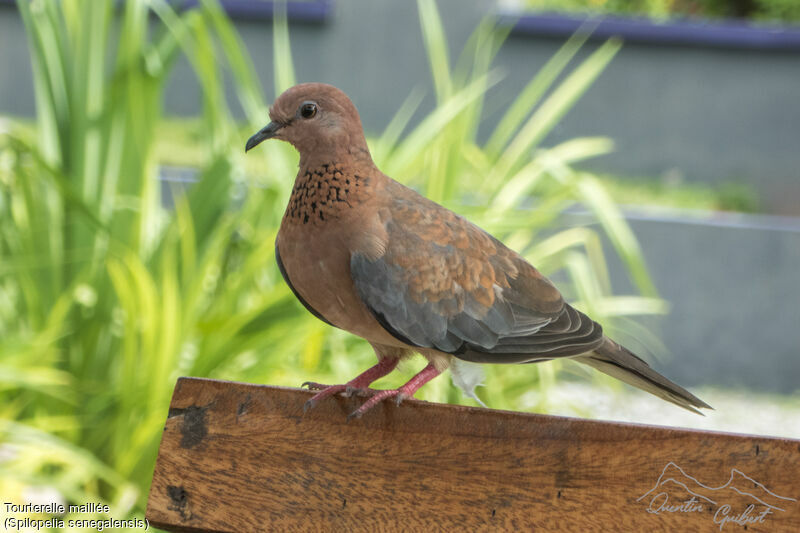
(239, 457)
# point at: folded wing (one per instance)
(444, 283)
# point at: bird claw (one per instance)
(324, 392)
(314, 386)
(310, 404)
(355, 414)
(399, 398)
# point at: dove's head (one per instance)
(317, 119)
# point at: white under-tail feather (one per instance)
(467, 376)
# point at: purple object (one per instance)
(306, 11)
(724, 34)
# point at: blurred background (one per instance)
(643, 154)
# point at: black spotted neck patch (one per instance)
(321, 193)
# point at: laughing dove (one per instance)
(368, 255)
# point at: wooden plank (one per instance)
(238, 457)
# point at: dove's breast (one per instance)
(323, 226)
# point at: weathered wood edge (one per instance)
(414, 403)
(489, 423)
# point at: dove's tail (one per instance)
(619, 362)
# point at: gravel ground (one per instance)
(734, 411)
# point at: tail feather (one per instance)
(622, 364)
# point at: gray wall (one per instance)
(712, 114)
(733, 289)
(16, 86)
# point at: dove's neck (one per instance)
(355, 154)
(327, 189)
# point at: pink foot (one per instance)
(375, 400)
(347, 389)
(406, 391)
(358, 386)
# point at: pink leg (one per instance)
(355, 385)
(406, 391)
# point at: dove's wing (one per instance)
(444, 283)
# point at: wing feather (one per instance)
(444, 283)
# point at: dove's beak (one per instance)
(267, 132)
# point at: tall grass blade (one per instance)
(553, 108)
(532, 94)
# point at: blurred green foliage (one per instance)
(177, 146)
(641, 191)
(760, 10)
(777, 10)
(106, 296)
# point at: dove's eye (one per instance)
(308, 109)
